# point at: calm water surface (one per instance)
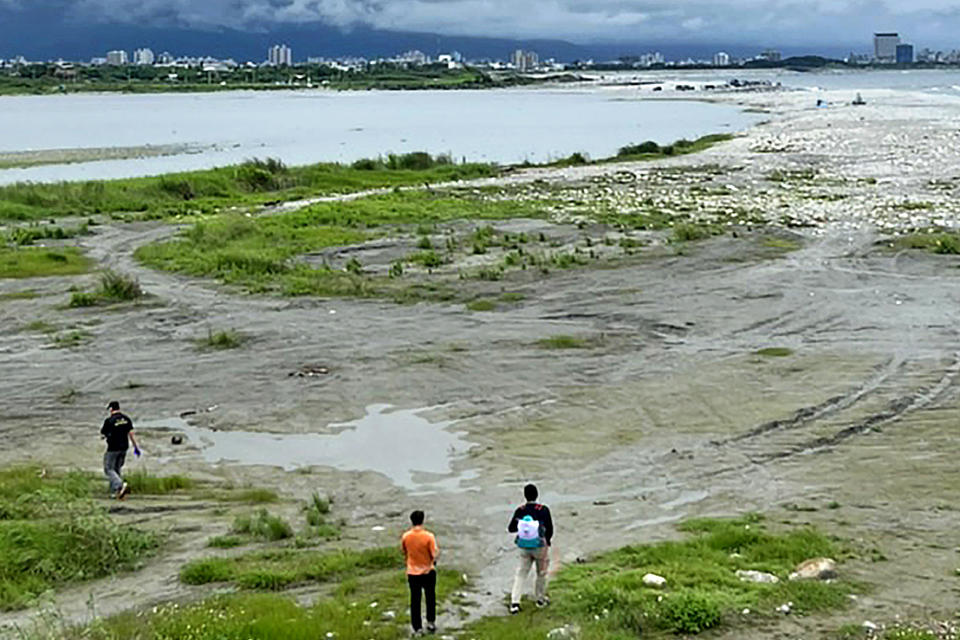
(304, 127)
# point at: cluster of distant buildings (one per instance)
(888, 48)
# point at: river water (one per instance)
(301, 127)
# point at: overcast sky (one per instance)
(934, 23)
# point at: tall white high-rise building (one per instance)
(721, 59)
(280, 55)
(117, 58)
(885, 46)
(525, 60)
(143, 57)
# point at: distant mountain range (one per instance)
(43, 34)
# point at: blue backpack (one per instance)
(529, 533)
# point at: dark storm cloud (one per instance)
(785, 22)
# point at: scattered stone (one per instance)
(602, 503)
(757, 576)
(378, 528)
(389, 615)
(653, 580)
(784, 608)
(310, 371)
(869, 626)
(745, 612)
(564, 632)
(176, 440)
(815, 569)
(374, 604)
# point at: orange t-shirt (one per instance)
(420, 549)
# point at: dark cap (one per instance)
(113, 406)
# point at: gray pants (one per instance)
(528, 558)
(112, 463)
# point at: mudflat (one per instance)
(801, 364)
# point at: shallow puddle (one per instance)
(400, 444)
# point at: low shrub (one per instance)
(143, 483)
(264, 525)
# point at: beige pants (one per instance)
(529, 557)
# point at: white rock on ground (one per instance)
(815, 569)
(653, 580)
(757, 576)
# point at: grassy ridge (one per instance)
(31, 262)
(251, 183)
(257, 254)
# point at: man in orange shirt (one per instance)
(420, 550)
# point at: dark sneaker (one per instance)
(124, 491)
(431, 628)
(514, 608)
(543, 602)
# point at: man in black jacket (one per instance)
(116, 430)
(533, 550)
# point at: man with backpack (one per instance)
(534, 528)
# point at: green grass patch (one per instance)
(263, 525)
(650, 150)
(353, 611)
(27, 294)
(30, 234)
(690, 232)
(781, 244)
(607, 599)
(260, 254)
(252, 183)
(482, 305)
(278, 569)
(142, 483)
(40, 326)
(908, 205)
(226, 542)
(70, 339)
(775, 352)
(35, 262)
(52, 534)
(219, 340)
(943, 243)
(563, 342)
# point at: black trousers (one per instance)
(428, 584)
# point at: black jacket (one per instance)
(537, 511)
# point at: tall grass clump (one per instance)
(142, 483)
(264, 525)
(219, 340)
(113, 287)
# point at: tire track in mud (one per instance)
(898, 409)
(835, 404)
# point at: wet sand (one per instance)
(669, 413)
